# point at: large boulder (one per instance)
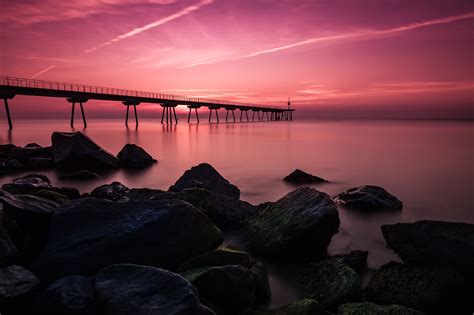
(133, 156)
(218, 257)
(366, 308)
(8, 250)
(143, 193)
(433, 289)
(98, 233)
(23, 154)
(33, 183)
(300, 224)
(143, 290)
(368, 198)
(225, 289)
(205, 176)
(298, 177)
(224, 211)
(113, 191)
(299, 307)
(16, 282)
(331, 283)
(433, 242)
(72, 295)
(356, 259)
(76, 151)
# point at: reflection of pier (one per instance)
(80, 94)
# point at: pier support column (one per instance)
(241, 115)
(247, 115)
(134, 104)
(175, 116)
(7, 110)
(73, 101)
(195, 107)
(215, 109)
(226, 114)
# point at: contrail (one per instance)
(42, 71)
(159, 22)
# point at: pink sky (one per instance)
(334, 58)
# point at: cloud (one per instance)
(43, 71)
(154, 24)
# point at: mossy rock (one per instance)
(367, 308)
(300, 307)
(218, 257)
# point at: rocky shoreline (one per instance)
(121, 250)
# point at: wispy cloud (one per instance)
(154, 24)
(42, 71)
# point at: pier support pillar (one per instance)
(134, 104)
(7, 109)
(81, 101)
(215, 109)
(169, 113)
(195, 107)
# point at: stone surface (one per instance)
(262, 286)
(374, 309)
(432, 289)
(80, 175)
(142, 193)
(225, 289)
(356, 259)
(16, 281)
(218, 257)
(331, 283)
(99, 233)
(142, 290)
(76, 151)
(32, 183)
(40, 163)
(299, 307)
(298, 177)
(299, 225)
(14, 165)
(224, 211)
(205, 176)
(433, 242)
(133, 156)
(368, 198)
(8, 251)
(113, 191)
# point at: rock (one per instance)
(16, 281)
(68, 296)
(113, 191)
(14, 165)
(133, 156)
(205, 176)
(142, 193)
(33, 145)
(299, 307)
(356, 259)
(368, 198)
(218, 257)
(99, 233)
(8, 250)
(76, 151)
(225, 289)
(40, 163)
(26, 153)
(5, 150)
(52, 195)
(33, 183)
(80, 175)
(142, 290)
(433, 242)
(298, 177)
(437, 290)
(331, 283)
(224, 211)
(262, 286)
(370, 308)
(300, 224)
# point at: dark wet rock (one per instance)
(262, 286)
(300, 224)
(40, 163)
(298, 177)
(142, 290)
(99, 233)
(8, 250)
(331, 283)
(72, 295)
(52, 195)
(76, 151)
(356, 259)
(80, 175)
(224, 211)
(218, 257)
(142, 193)
(133, 156)
(113, 191)
(433, 242)
(205, 176)
(5, 150)
(16, 281)
(437, 290)
(23, 154)
(368, 198)
(14, 165)
(225, 289)
(33, 183)
(33, 145)
(367, 308)
(299, 307)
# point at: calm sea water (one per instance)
(427, 164)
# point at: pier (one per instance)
(80, 94)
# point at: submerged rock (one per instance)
(300, 224)
(298, 177)
(368, 198)
(224, 211)
(299, 307)
(225, 289)
(218, 257)
(433, 289)
(23, 154)
(74, 150)
(99, 233)
(143, 290)
(133, 156)
(371, 308)
(433, 242)
(331, 283)
(80, 175)
(33, 183)
(113, 191)
(205, 176)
